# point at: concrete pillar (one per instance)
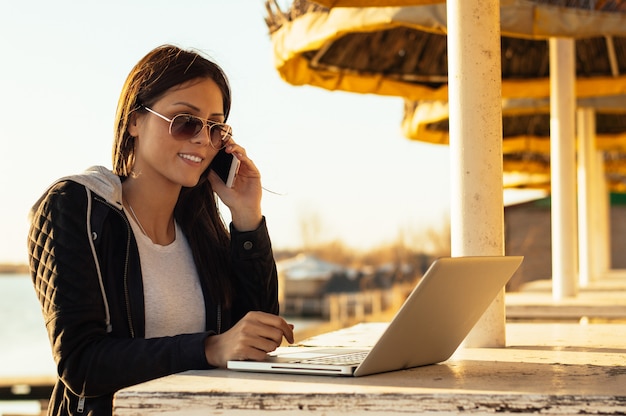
(602, 220)
(587, 251)
(475, 101)
(563, 168)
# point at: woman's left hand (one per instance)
(244, 198)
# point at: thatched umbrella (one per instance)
(402, 51)
(526, 135)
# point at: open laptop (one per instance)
(431, 324)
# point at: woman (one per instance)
(136, 273)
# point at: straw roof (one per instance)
(526, 136)
(402, 51)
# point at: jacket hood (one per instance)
(98, 179)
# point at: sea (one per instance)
(24, 347)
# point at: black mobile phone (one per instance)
(226, 166)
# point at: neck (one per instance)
(152, 211)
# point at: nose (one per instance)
(202, 137)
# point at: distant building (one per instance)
(305, 275)
(528, 233)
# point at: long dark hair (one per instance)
(196, 210)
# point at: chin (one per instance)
(189, 182)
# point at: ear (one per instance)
(133, 127)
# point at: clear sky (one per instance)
(336, 157)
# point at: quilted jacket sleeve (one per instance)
(256, 285)
(90, 361)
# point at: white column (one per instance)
(475, 81)
(563, 168)
(586, 134)
(601, 220)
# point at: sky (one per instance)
(335, 159)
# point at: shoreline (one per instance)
(14, 268)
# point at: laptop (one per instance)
(427, 329)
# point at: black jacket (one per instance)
(86, 271)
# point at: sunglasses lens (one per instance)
(185, 126)
(220, 135)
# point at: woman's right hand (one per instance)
(251, 338)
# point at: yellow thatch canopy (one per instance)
(526, 135)
(402, 51)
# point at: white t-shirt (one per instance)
(174, 303)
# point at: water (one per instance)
(24, 347)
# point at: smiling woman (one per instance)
(163, 286)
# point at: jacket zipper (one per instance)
(219, 318)
(126, 261)
(81, 404)
(126, 292)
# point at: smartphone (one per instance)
(226, 166)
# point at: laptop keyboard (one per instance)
(343, 359)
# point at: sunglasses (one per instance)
(187, 126)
